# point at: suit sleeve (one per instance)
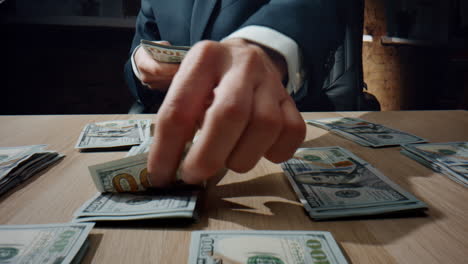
(146, 28)
(315, 25)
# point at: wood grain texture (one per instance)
(261, 199)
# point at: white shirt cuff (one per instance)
(134, 67)
(280, 43)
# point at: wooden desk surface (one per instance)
(261, 199)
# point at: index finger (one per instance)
(183, 107)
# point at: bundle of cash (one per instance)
(126, 194)
(286, 247)
(450, 158)
(138, 206)
(331, 182)
(114, 134)
(53, 243)
(18, 164)
(365, 133)
(164, 53)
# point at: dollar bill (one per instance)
(17, 164)
(276, 247)
(114, 134)
(332, 182)
(137, 206)
(449, 158)
(365, 133)
(144, 147)
(52, 243)
(164, 53)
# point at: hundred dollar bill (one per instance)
(331, 182)
(129, 174)
(18, 164)
(276, 247)
(164, 53)
(113, 134)
(364, 132)
(137, 206)
(449, 158)
(52, 243)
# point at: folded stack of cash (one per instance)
(18, 164)
(126, 194)
(114, 134)
(53, 243)
(450, 158)
(331, 182)
(264, 247)
(365, 133)
(164, 53)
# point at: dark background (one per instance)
(67, 56)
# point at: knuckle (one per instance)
(278, 157)
(240, 167)
(297, 129)
(268, 121)
(173, 114)
(206, 48)
(231, 111)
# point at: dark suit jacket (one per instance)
(313, 24)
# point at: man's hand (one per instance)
(233, 92)
(155, 75)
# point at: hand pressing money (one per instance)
(164, 53)
(114, 134)
(53, 243)
(116, 179)
(365, 133)
(331, 182)
(276, 247)
(129, 174)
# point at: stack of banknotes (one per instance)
(126, 194)
(264, 247)
(18, 164)
(450, 158)
(115, 134)
(46, 244)
(365, 133)
(331, 182)
(164, 53)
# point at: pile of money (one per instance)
(126, 194)
(450, 158)
(331, 182)
(264, 247)
(164, 53)
(53, 243)
(114, 134)
(137, 206)
(365, 133)
(18, 164)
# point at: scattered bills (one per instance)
(450, 158)
(52, 243)
(18, 164)
(332, 182)
(285, 247)
(114, 134)
(164, 53)
(138, 206)
(365, 133)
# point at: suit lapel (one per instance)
(201, 14)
